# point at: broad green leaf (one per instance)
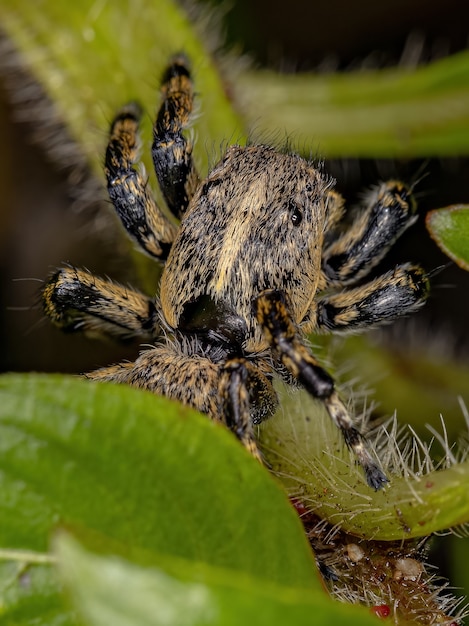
(449, 228)
(110, 590)
(147, 473)
(137, 474)
(305, 450)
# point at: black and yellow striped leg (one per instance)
(389, 211)
(233, 390)
(129, 192)
(171, 151)
(399, 292)
(76, 301)
(272, 314)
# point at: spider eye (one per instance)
(296, 216)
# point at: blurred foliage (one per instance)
(384, 113)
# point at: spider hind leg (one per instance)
(272, 314)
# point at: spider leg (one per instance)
(171, 151)
(129, 192)
(335, 208)
(273, 315)
(75, 300)
(236, 406)
(398, 292)
(391, 209)
(166, 370)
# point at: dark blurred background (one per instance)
(304, 35)
(43, 226)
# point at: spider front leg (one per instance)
(172, 153)
(129, 192)
(390, 210)
(275, 319)
(76, 301)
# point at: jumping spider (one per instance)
(260, 260)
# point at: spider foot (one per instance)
(375, 477)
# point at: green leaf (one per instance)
(449, 228)
(143, 471)
(142, 474)
(30, 595)
(110, 590)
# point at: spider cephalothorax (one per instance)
(260, 259)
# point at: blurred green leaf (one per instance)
(108, 590)
(92, 57)
(449, 228)
(31, 596)
(383, 113)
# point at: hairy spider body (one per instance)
(260, 259)
(242, 237)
